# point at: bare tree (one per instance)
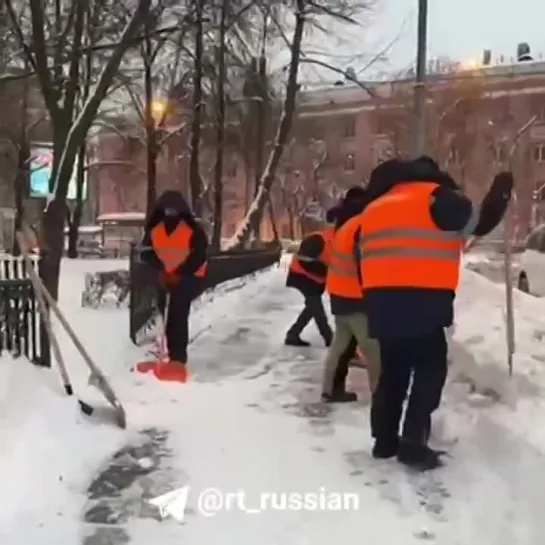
(306, 11)
(157, 96)
(262, 198)
(220, 141)
(457, 116)
(195, 180)
(20, 122)
(53, 44)
(304, 192)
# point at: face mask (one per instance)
(170, 212)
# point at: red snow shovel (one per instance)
(161, 366)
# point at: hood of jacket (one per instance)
(425, 169)
(353, 203)
(396, 171)
(171, 208)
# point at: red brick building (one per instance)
(475, 126)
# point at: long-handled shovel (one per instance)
(87, 409)
(96, 378)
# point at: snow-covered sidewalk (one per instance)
(249, 420)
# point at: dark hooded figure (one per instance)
(176, 246)
(412, 235)
(307, 274)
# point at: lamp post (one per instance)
(420, 81)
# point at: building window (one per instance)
(349, 127)
(538, 153)
(350, 163)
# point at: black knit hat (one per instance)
(356, 192)
(331, 214)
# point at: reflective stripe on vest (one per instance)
(324, 257)
(401, 246)
(342, 275)
(173, 249)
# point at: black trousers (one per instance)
(425, 360)
(339, 380)
(313, 310)
(177, 321)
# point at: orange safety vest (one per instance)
(324, 257)
(342, 273)
(172, 250)
(401, 246)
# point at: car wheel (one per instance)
(523, 284)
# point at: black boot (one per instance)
(341, 396)
(295, 340)
(418, 456)
(384, 449)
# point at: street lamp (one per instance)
(420, 81)
(158, 109)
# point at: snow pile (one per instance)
(48, 450)
(476, 257)
(479, 336)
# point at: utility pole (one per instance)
(420, 81)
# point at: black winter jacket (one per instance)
(311, 246)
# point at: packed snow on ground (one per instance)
(248, 420)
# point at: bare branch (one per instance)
(348, 76)
(100, 164)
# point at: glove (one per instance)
(168, 280)
(503, 184)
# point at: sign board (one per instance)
(41, 161)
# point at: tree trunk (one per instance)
(220, 143)
(291, 223)
(151, 130)
(260, 135)
(195, 181)
(255, 213)
(68, 136)
(73, 230)
(21, 180)
(273, 220)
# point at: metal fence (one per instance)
(22, 332)
(222, 267)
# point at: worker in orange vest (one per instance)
(344, 288)
(176, 246)
(307, 274)
(411, 239)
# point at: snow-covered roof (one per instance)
(121, 216)
(87, 229)
(351, 93)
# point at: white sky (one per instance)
(458, 29)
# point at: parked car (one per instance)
(531, 278)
